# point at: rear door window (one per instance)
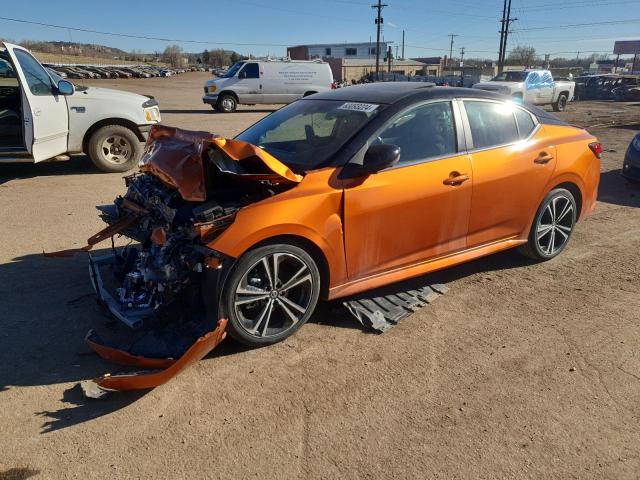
(525, 122)
(422, 132)
(492, 123)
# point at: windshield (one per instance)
(233, 70)
(511, 77)
(306, 134)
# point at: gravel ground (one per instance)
(520, 371)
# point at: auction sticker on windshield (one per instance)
(358, 107)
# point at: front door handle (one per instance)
(455, 179)
(543, 158)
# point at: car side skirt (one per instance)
(422, 268)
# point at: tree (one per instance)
(173, 55)
(235, 57)
(206, 57)
(523, 56)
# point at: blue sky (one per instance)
(273, 24)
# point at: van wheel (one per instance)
(114, 148)
(226, 104)
(560, 104)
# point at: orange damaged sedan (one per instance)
(332, 195)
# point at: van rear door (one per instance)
(45, 114)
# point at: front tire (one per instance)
(270, 293)
(561, 103)
(226, 103)
(552, 226)
(114, 148)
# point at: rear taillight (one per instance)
(596, 148)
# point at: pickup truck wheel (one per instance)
(560, 104)
(114, 148)
(226, 104)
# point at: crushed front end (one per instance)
(164, 285)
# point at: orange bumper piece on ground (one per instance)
(99, 387)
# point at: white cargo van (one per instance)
(267, 81)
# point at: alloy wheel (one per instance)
(274, 294)
(555, 225)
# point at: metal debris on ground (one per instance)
(380, 313)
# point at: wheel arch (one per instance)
(576, 192)
(308, 246)
(229, 92)
(310, 92)
(110, 121)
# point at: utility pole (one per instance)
(379, 6)
(462, 67)
(507, 24)
(452, 35)
(502, 22)
(402, 44)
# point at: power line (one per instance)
(577, 25)
(141, 37)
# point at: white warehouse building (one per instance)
(337, 50)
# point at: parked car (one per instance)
(536, 87)
(49, 116)
(268, 82)
(631, 165)
(338, 193)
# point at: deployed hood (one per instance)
(177, 157)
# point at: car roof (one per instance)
(392, 92)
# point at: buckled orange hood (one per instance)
(177, 158)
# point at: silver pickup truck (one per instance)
(536, 87)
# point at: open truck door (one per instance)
(45, 116)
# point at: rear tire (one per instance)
(561, 103)
(270, 293)
(114, 148)
(552, 226)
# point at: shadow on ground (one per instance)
(77, 165)
(617, 190)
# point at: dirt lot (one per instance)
(520, 371)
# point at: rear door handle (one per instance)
(543, 158)
(455, 179)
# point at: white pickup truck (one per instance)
(43, 116)
(536, 87)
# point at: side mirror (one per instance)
(65, 88)
(376, 158)
(379, 157)
(242, 74)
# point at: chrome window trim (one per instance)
(467, 126)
